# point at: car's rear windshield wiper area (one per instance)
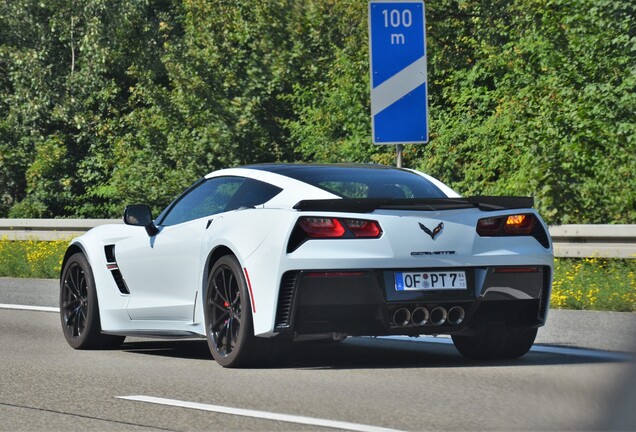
(368, 205)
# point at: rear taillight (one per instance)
(519, 224)
(318, 227)
(512, 225)
(363, 228)
(489, 226)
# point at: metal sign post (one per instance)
(397, 45)
(398, 155)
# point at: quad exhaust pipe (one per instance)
(402, 317)
(456, 315)
(438, 316)
(421, 316)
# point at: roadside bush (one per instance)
(595, 284)
(32, 258)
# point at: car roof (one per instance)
(283, 168)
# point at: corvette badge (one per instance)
(438, 229)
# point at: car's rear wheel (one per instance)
(79, 310)
(228, 320)
(496, 343)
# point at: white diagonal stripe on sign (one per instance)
(398, 86)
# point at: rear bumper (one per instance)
(365, 302)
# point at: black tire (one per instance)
(496, 344)
(79, 310)
(228, 319)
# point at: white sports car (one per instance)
(255, 257)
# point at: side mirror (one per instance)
(140, 215)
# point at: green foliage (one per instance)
(594, 284)
(104, 103)
(549, 112)
(32, 258)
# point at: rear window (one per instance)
(367, 182)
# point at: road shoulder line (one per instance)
(29, 308)
(265, 415)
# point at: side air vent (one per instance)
(286, 300)
(545, 294)
(119, 280)
(109, 251)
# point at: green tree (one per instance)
(230, 70)
(546, 107)
(66, 79)
(107, 102)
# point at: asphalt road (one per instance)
(579, 376)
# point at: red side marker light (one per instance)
(249, 286)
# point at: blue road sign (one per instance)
(397, 44)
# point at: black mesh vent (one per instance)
(545, 294)
(109, 250)
(286, 300)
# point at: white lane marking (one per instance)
(29, 308)
(311, 421)
(548, 349)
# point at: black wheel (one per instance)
(79, 311)
(496, 344)
(228, 319)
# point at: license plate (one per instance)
(437, 280)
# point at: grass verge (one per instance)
(594, 284)
(579, 283)
(31, 258)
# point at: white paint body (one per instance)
(167, 275)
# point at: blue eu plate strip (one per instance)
(399, 281)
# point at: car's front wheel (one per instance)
(79, 310)
(496, 343)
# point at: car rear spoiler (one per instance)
(368, 205)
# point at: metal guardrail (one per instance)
(48, 229)
(588, 241)
(575, 241)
